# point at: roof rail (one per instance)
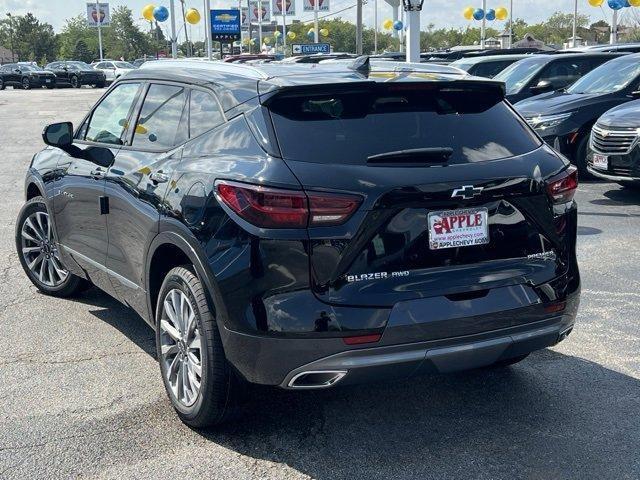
(237, 68)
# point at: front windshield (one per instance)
(78, 66)
(610, 77)
(518, 74)
(123, 65)
(28, 68)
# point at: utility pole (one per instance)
(174, 38)
(375, 31)
(613, 38)
(260, 25)
(483, 30)
(99, 22)
(511, 24)
(13, 57)
(207, 26)
(575, 24)
(358, 27)
(315, 20)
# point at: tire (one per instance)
(2, 85)
(184, 347)
(99, 85)
(26, 84)
(581, 158)
(50, 87)
(38, 245)
(74, 81)
(508, 362)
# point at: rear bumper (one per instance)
(277, 361)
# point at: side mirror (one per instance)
(58, 134)
(542, 87)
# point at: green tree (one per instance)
(74, 31)
(32, 39)
(123, 39)
(81, 52)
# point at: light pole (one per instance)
(174, 38)
(613, 38)
(13, 58)
(413, 9)
(483, 30)
(575, 24)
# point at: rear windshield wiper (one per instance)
(414, 156)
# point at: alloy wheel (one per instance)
(181, 347)
(26, 84)
(40, 251)
(74, 82)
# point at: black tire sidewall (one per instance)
(183, 279)
(77, 81)
(2, 85)
(581, 157)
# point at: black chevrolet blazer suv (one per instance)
(306, 226)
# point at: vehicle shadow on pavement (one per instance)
(619, 196)
(120, 317)
(553, 416)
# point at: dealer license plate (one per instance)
(600, 162)
(458, 228)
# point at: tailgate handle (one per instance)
(471, 295)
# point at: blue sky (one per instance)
(443, 13)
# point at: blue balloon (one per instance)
(615, 4)
(311, 34)
(478, 14)
(491, 15)
(161, 14)
(397, 25)
(626, 3)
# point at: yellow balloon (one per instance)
(596, 3)
(387, 24)
(501, 13)
(468, 13)
(291, 35)
(192, 16)
(634, 3)
(147, 12)
(324, 32)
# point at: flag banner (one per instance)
(98, 15)
(266, 12)
(308, 5)
(276, 7)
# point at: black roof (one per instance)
(238, 83)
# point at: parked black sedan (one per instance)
(564, 118)
(614, 152)
(545, 73)
(77, 74)
(25, 76)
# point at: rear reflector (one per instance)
(555, 307)
(562, 187)
(280, 208)
(359, 340)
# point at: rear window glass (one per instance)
(350, 127)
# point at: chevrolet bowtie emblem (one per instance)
(467, 192)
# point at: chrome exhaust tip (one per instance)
(316, 379)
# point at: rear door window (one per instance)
(162, 123)
(204, 113)
(352, 126)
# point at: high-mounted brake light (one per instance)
(562, 187)
(280, 208)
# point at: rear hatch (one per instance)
(452, 188)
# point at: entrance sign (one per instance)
(310, 48)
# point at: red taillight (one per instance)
(555, 307)
(279, 208)
(562, 187)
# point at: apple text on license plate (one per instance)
(458, 228)
(600, 161)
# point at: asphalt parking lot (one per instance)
(81, 393)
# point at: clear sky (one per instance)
(443, 13)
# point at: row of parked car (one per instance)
(27, 75)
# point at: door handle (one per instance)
(159, 177)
